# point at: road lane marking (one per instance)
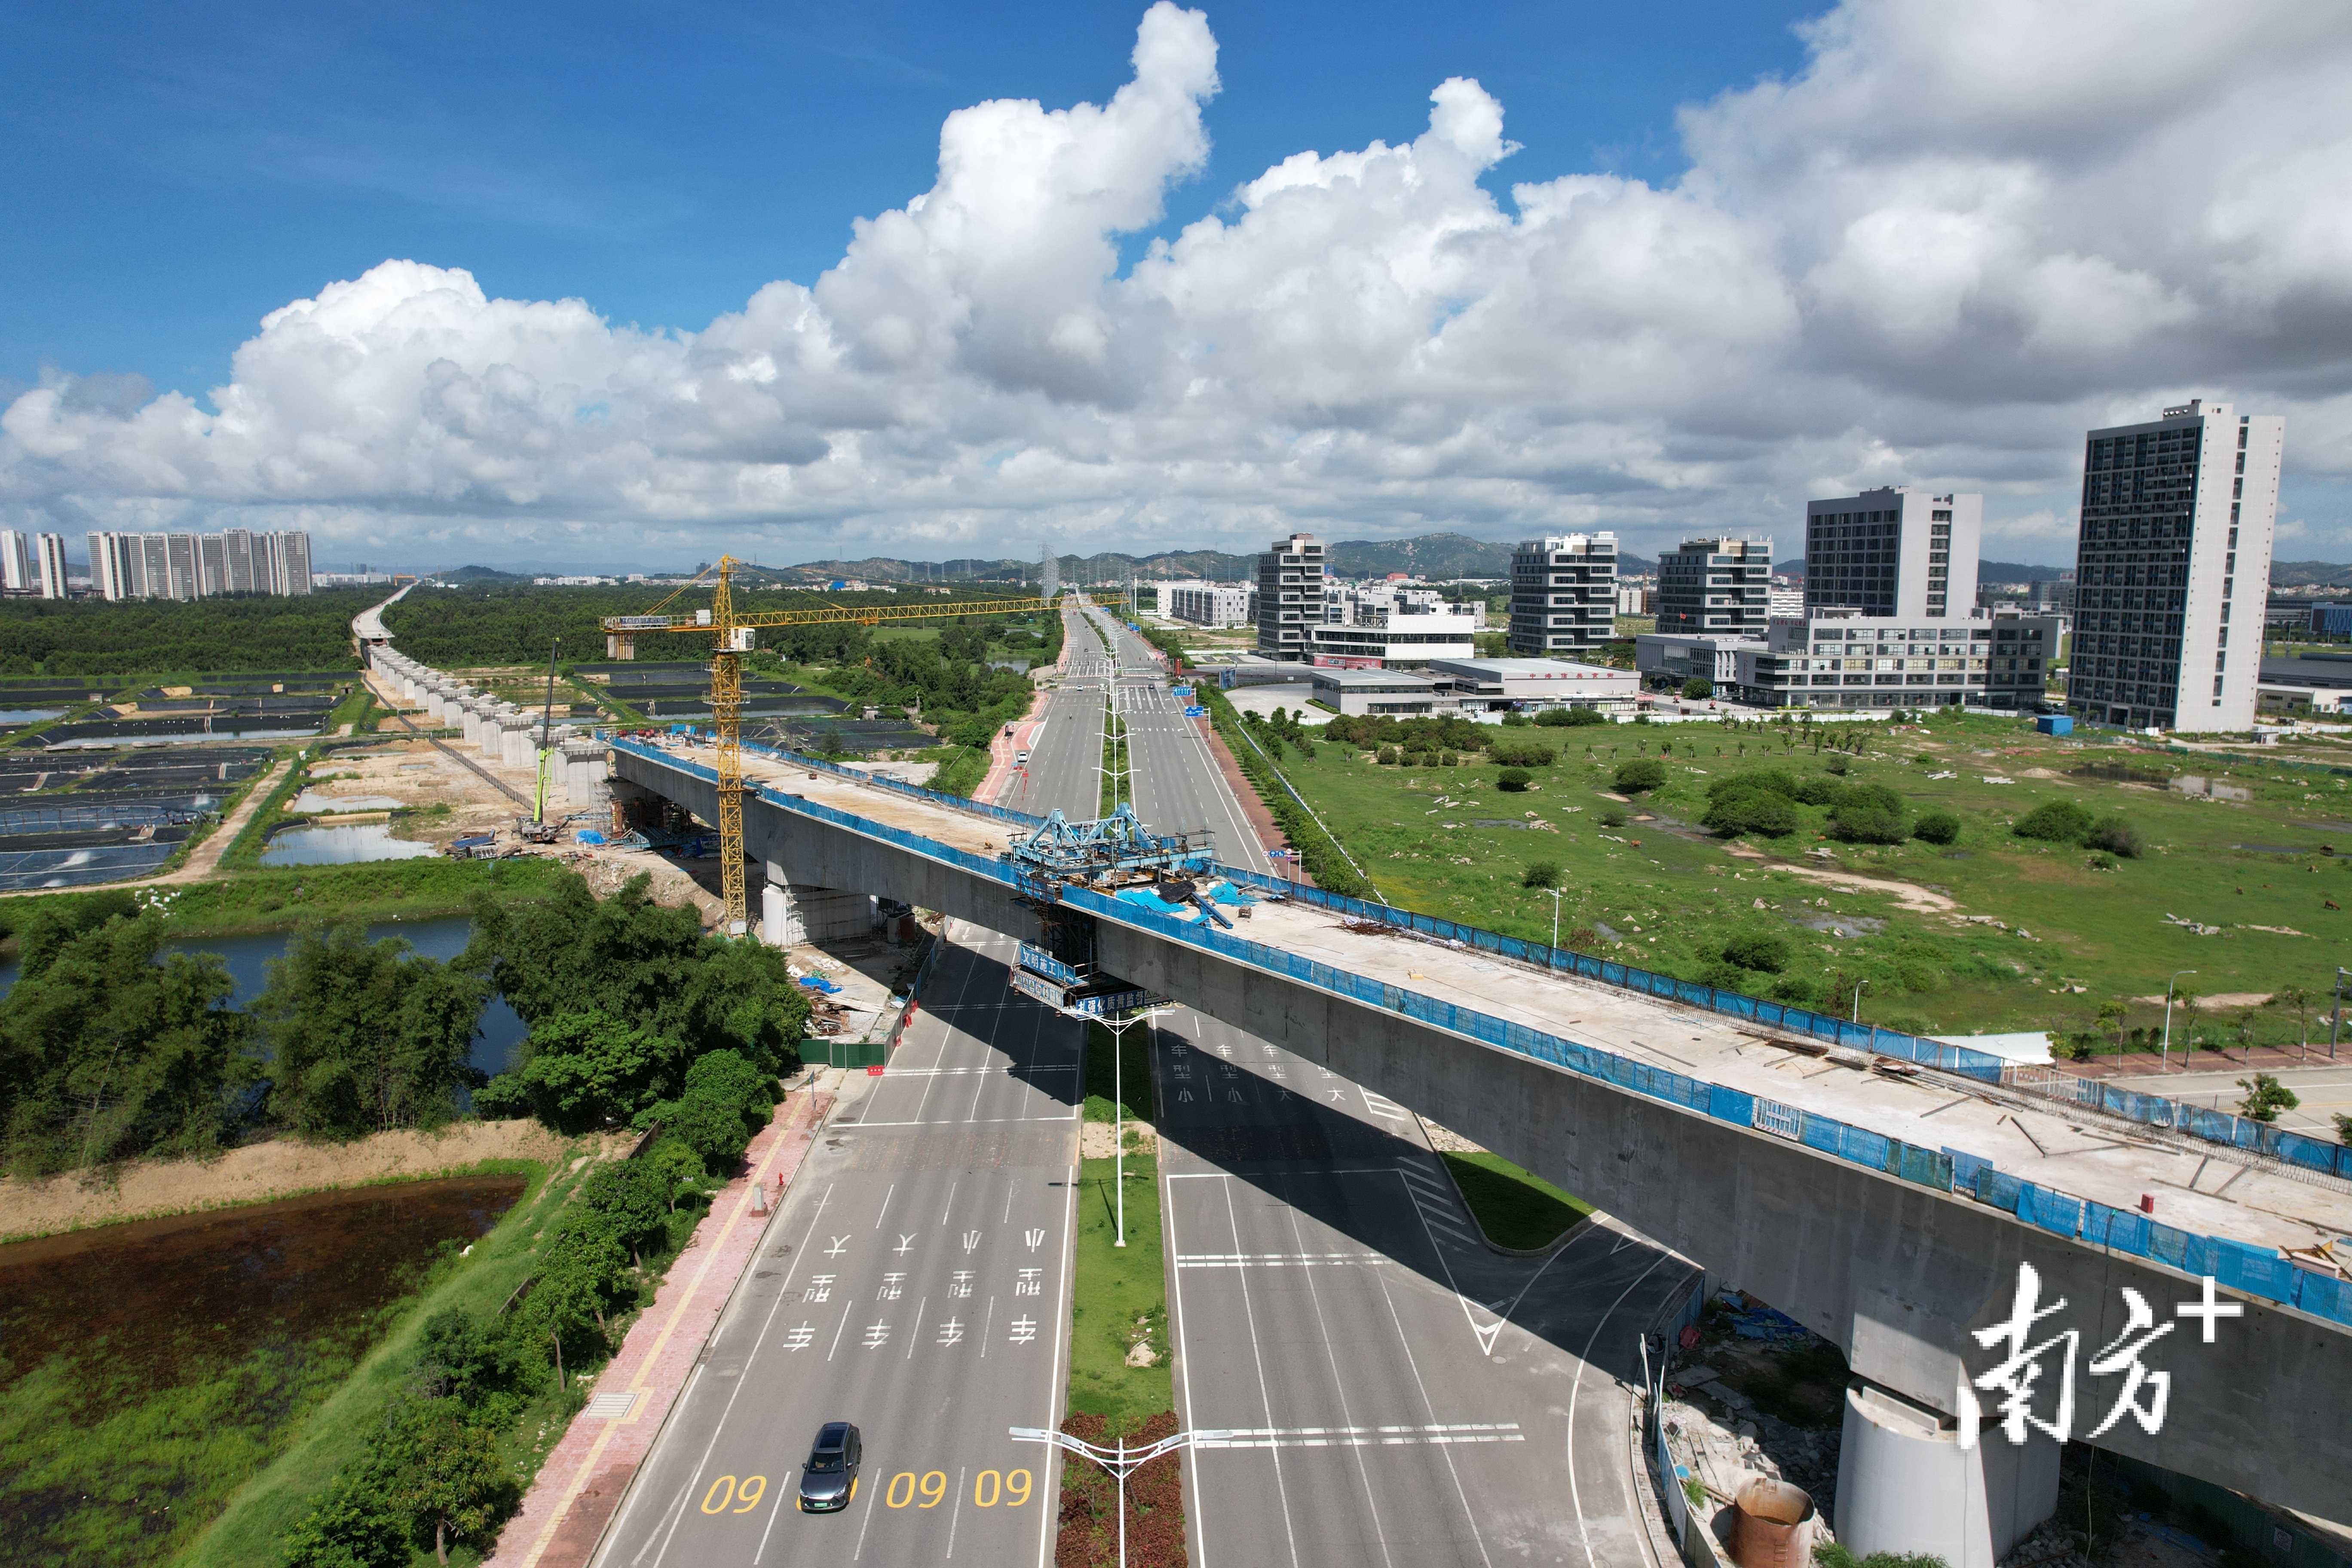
(1445, 1450)
(1367, 1438)
(1265, 1396)
(886, 1205)
(1575, 1388)
(1339, 1386)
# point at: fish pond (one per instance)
(149, 1369)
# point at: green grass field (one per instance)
(1120, 1298)
(1662, 892)
(1514, 1207)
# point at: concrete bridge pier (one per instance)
(791, 913)
(520, 742)
(584, 766)
(1906, 1487)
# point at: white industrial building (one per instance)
(1381, 693)
(1532, 685)
(1210, 603)
(1670, 658)
(1391, 627)
(1837, 659)
(2176, 514)
(1290, 597)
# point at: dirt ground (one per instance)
(277, 1169)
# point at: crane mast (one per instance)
(732, 636)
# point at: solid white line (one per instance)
(1184, 1357)
(1339, 1386)
(1412, 1364)
(1007, 1070)
(1575, 1494)
(1062, 1316)
(886, 1202)
(1265, 1396)
(947, 1122)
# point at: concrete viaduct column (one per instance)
(1894, 1453)
(794, 914)
(520, 745)
(584, 765)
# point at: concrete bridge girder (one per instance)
(1897, 1274)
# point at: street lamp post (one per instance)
(1119, 1028)
(2164, 1062)
(1121, 1461)
(2337, 1018)
(1555, 893)
(1857, 999)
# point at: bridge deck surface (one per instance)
(2048, 1143)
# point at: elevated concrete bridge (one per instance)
(1888, 1206)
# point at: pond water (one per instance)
(340, 846)
(29, 715)
(311, 800)
(149, 1365)
(497, 1033)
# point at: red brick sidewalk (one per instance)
(582, 1482)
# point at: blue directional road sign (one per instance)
(1191, 712)
(1180, 691)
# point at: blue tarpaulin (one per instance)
(816, 982)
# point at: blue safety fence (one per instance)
(2296, 1149)
(2254, 1270)
(1691, 993)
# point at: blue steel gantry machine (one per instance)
(1112, 856)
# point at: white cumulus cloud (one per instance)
(1954, 240)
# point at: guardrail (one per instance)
(2254, 1270)
(2293, 1151)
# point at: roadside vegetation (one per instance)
(1122, 1368)
(1998, 879)
(226, 636)
(1515, 1207)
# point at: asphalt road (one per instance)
(1399, 1393)
(915, 1282)
(1064, 771)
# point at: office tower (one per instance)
(16, 561)
(1564, 593)
(50, 549)
(1895, 552)
(2177, 513)
(1290, 597)
(1717, 584)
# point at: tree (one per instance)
(2054, 822)
(1757, 950)
(585, 1070)
(1514, 779)
(1639, 774)
(1754, 811)
(364, 1037)
(2111, 1016)
(444, 1471)
(1698, 689)
(680, 1168)
(1541, 874)
(353, 1524)
(723, 1099)
(2114, 836)
(1860, 823)
(634, 1196)
(2265, 1098)
(2297, 1000)
(1936, 828)
(106, 1052)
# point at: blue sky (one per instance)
(178, 173)
(939, 280)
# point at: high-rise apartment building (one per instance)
(51, 551)
(1718, 585)
(16, 566)
(1563, 593)
(197, 566)
(1894, 552)
(2177, 515)
(1290, 597)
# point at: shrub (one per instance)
(1698, 689)
(1770, 780)
(1569, 718)
(1612, 817)
(2054, 822)
(1758, 950)
(1818, 789)
(1876, 798)
(1514, 779)
(1448, 760)
(2117, 837)
(1640, 774)
(1521, 754)
(1753, 811)
(1541, 874)
(1837, 765)
(1515, 718)
(1388, 755)
(1584, 938)
(1802, 989)
(1936, 828)
(1411, 759)
(2265, 1098)
(1867, 825)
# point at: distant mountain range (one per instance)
(1440, 556)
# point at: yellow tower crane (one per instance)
(734, 636)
